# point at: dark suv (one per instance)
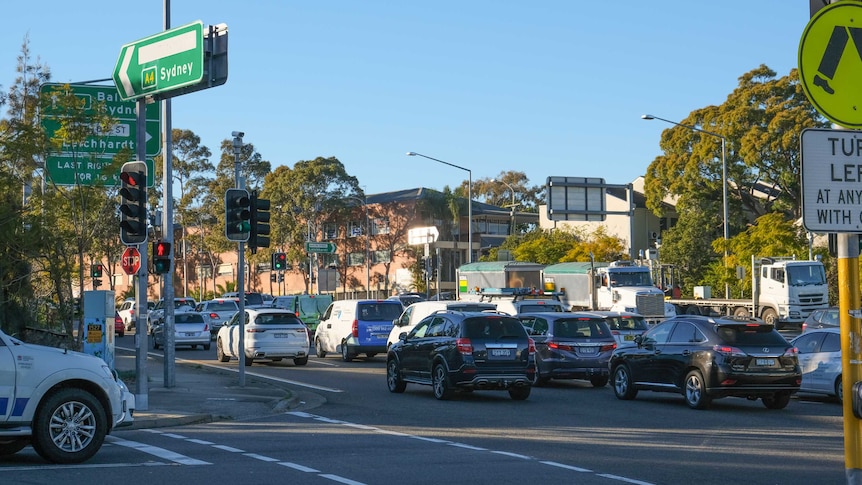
(452, 350)
(704, 358)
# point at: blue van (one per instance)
(354, 327)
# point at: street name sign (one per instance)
(85, 162)
(162, 62)
(131, 261)
(831, 176)
(830, 68)
(320, 247)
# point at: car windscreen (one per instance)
(277, 319)
(581, 328)
(744, 335)
(627, 323)
(493, 327)
(253, 299)
(313, 304)
(188, 318)
(379, 311)
(530, 308)
(472, 307)
(222, 306)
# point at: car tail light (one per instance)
(214, 316)
(559, 346)
(615, 332)
(254, 330)
(729, 350)
(355, 329)
(804, 326)
(464, 346)
(608, 347)
(531, 346)
(791, 352)
(206, 328)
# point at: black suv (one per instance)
(452, 350)
(704, 358)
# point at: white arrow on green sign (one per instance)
(162, 62)
(320, 247)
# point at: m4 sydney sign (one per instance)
(162, 62)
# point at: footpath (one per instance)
(204, 394)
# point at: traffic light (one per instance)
(434, 263)
(237, 207)
(161, 257)
(96, 270)
(273, 277)
(259, 237)
(133, 208)
(279, 261)
(423, 267)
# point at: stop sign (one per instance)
(131, 261)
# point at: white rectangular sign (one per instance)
(831, 179)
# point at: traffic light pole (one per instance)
(240, 260)
(142, 400)
(168, 232)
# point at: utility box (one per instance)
(99, 310)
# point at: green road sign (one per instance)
(83, 163)
(320, 247)
(162, 62)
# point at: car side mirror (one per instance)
(402, 336)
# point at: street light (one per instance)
(723, 182)
(367, 244)
(469, 196)
(512, 227)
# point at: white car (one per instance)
(157, 314)
(820, 360)
(217, 312)
(63, 403)
(190, 328)
(269, 333)
(414, 313)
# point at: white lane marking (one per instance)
(298, 467)
(200, 442)
(229, 448)
(302, 414)
(172, 435)
(260, 457)
(159, 452)
(341, 479)
(80, 466)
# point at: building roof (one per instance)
(479, 208)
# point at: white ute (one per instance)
(62, 402)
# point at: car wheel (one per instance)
(839, 388)
(300, 361)
(623, 386)
(771, 317)
(538, 378)
(440, 383)
(694, 390)
(345, 354)
(14, 446)
(206, 346)
(779, 400)
(741, 312)
(519, 393)
(69, 427)
(220, 355)
(599, 381)
(370, 355)
(318, 349)
(393, 377)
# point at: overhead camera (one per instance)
(239, 134)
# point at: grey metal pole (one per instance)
(240, 260)
(367, 251)
(168, 232)
(141, 339)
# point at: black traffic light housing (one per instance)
(259, 237)
(133, 205)
(237, 206)
(96, 270)
(161, 257)
(279, 261)
(435, 262)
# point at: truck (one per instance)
(784, 292)
(619, 286)
(513, 286)
(63, 403)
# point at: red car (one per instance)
(119, 328)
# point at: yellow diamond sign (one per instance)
(830, 63)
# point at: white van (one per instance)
(354, 327)
(517, 307)
(419, 310)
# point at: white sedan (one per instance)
(820, 360)
(270, 333)
(189, 329)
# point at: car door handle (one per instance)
(686, 352)
(658, 352)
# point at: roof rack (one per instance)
(517, 294)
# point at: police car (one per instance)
(63, 403)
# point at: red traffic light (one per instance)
(162, 250)
(129, 178)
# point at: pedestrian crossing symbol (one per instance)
(830, 63)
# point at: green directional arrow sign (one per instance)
(162, 62)
(88, 161)
(320, 247)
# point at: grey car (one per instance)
(217, 312)
(189, 329)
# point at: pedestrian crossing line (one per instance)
(158, 452)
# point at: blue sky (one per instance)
(549, 87)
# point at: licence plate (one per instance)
(499, 353)
(628, 337)
(764, 362)
(281, 335)
(587, 350)
(191, 334)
